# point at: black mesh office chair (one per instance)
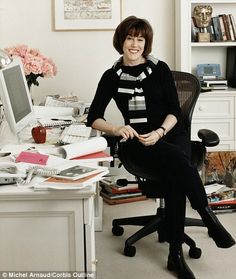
(188, 89)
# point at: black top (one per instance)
(159, 92)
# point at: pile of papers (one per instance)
(52, 168)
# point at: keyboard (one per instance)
(74, 133)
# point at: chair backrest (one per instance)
(188, 89)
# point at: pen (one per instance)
(56, 119)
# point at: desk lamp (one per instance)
(5, 59)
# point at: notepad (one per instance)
(57, 123)
(32, 158)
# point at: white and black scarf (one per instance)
(132, 86)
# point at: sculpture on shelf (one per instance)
(202, 15)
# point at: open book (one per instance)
(65, 184)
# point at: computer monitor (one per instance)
(15, 96)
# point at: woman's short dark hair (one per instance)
(133, 26)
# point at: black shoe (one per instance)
(177, 263)
(215, 229)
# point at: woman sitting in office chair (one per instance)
(144, 91)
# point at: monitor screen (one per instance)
(14, 94)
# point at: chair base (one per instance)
(150, 224)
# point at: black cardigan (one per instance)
(158, 88)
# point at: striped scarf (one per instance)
(132, 86)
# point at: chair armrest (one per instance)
(208, 137)
(112, 142)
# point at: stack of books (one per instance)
(223, 200)
(117, 191)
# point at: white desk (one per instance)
(47, 230)
(7, 137)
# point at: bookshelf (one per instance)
(214, 110)
(188, 53)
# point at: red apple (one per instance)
(39, 134)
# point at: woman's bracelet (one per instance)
(160, 136)
(164, 130)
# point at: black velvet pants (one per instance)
(176, 177)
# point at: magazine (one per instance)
(65, 184)
(76, 172)
(223, 199)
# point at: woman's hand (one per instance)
(126, 132)
(150, 138)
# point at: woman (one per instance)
(144, 91)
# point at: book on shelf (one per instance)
(194, 30)
(210, 29)
(221, 28)
(224, 27)
(217, 29)
(231, 32)
(233, 25)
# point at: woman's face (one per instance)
(133, 48)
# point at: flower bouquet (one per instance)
(35, 64)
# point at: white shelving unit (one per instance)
(214, 110)
(188, 53)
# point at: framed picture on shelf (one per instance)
(72, 15)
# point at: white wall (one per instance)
(81, 56)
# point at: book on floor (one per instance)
(123, 200)
(222, 199)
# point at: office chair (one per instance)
(188, 89)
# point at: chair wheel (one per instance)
(129, 251)
(195, 252)
(117, 230)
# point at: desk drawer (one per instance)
(223, 127)
(220, 107)
(224, 145)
